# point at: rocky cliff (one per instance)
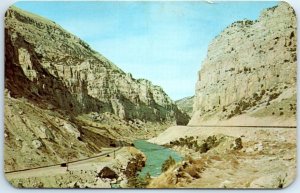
(46, 63)
(249, 74)
(64, 101)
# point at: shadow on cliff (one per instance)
(47, 91)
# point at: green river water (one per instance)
(156, 155)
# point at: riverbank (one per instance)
(229, 157)
(156, 155)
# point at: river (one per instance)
(156, 156)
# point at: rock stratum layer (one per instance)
(249, 74)
(64, 101)
(46, 63)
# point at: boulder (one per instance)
(36, 144)
(106, 172)
(71, 129)
(258, 147)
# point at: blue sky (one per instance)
(164, 42)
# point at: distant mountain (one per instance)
(186, 104)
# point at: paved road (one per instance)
(41, 171)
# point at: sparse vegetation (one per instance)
(192, 167)
(238, 144)
(135, 164)
(281, 181)
(191, 143)
(167, 164)
(211, 142)
(79, 104)
(139, 182)
(133, 167)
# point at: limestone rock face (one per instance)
(64, 101)
(250, 69)
(46, 63)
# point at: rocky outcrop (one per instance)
(106, 172)
(186, 104)
(49, 66)
(229, 151)
(250, 69)
(39, 137)
(64, 101)
(134, 166)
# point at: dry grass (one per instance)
(234, 162)
(182, 174)
(193, 171)
(167, 164)
(215, 157)
(165, 180)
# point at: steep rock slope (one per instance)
(186, 104)
(45, 62)
(249, 74)
(64, 101)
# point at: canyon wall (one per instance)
(64, 101)
(250, 69)
(46, 63)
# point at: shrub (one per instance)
(273, 96)
(192, 167)
(136, 164)
(211, 142)
(167, 164)
(224, 109)
(281, 181)
(208, 144)
(204, 148)
(190, 145)
(139, 182)
(238, 144)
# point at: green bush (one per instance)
(211, 142)
(139, 182)
(208, 144)
(238, 144)
(203, 148)
(167, 164)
